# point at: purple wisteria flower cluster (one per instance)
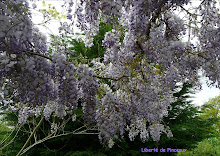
(143, 62)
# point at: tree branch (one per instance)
(29, 52)
(187, 11)
(32, 53)
(139, 46)
(51, 137)
(108, 78)
(30, 137)
(153, 19)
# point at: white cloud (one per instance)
(205, 94)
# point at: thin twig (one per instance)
(187, 11)
(10, 140)
(3, 140)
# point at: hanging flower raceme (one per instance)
(144, 59)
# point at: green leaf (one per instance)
(44, 4)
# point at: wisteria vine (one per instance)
(143, 64)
